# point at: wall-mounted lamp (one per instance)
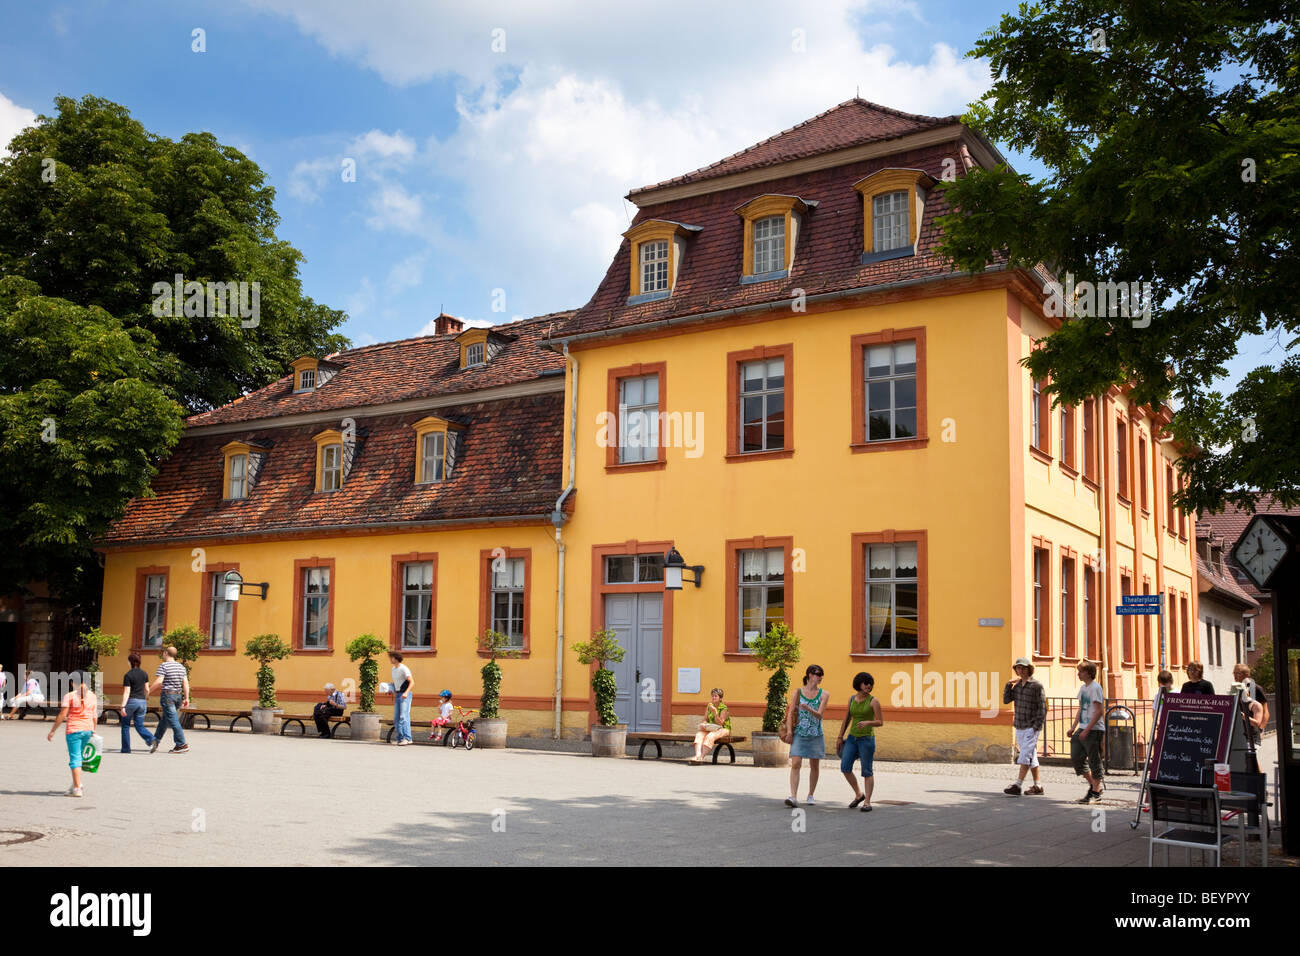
(234, 586)
(674, 565)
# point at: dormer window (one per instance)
(657, 247)
(479, 346)
(437, 444)
(772, 225)
(333, 460)
(306, 380)
(474, 354)
(893, 204)
(310, 373)
(243, 461)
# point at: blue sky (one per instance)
(493, 142)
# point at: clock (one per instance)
(1261, 548)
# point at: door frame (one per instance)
(599, 589)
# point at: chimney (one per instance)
(446, 324)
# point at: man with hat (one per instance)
(1030, 716)
(332, 706)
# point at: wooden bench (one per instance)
(116, 713)
(446, 737)
(657, 737)
(301, 721)
(207, 713)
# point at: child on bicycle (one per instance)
(443, 720)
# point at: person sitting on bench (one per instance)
(30, 697)
(716, 726)
(332, 706)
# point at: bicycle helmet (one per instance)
(445, 693)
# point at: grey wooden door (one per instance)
(638, 621)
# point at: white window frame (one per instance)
(1040, 609)
(331, 467)
(474, 354)
(307, 380)
(893, 377)
(638, 432)
(422, 594)
(889, 221)
(238, 477)
(509, 581)
(438, 458)
(155, 600)
(763, 393)
(763, 561)
(221, 617)
(892, 581)
(315, 607)
(654, 266)
(768, 245)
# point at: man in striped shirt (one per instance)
(174, 681)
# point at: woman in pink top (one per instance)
(78, 710)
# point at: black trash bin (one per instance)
(1121, 752)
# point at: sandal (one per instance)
(858, 800)
(867, 808)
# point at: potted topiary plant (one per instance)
(776, 651)
(490, 727)
(265, 648)
(608, 737)
(364, 720)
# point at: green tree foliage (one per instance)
(119, 209)
(188, 641)
(83, 424)
(100, 645)
(602, 649)
(365, 648)
(776, 651)
(266, 648)
(1170, 136)
(494, 644)
(1264, 670)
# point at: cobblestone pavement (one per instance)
(239, 799)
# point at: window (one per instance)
(654, 266)
(1067, 437)
(893, 617)
(1142, 472)
(889, 221)
(238, 477)
(761, 592)
(1090, 440)
(656, 247)
(762, 405)
(1250, 633)
(1218, 644)
(638, 425)
(154, 622)
(508, 599)
(1041, 648)
(316, 614)
(306, 380)
(1146, 629)
(331, 468)
(1187, 633)
(417, 605)
(1121, 458)
(221, 614)
(769, 245)
(1126, 625)
(634, 568)
(1039, 423)
(1170, 520)
(890, 391)
(1067, 608)
(1090, 613)
(433, 456)
(474, 354)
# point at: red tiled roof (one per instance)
(827, 255)
(1226, 586)
(1231, 522)
(854, 122)
(509, 464)
(421, 367)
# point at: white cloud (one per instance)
(359, 304)
(406, 274)
(13, 120)
(393, 208)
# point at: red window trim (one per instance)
(485, 589)
(1044, 545)
(858, 416)
(205, 610)
(396, 602)
(137, 628)
(734, 361)
(613, 377)
(731, 623)
(1044, 403)
(858, 580)
(299, 594)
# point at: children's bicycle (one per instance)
(462, 734)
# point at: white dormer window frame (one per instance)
(893, 206)
(433, 457)
(889, 220)
(769, 245)
(238, 477)
(307, 380)
(474, 354)
(331, 467)
(656, 248)
(772, 223)
(654, 266)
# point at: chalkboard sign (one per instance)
(1192, 728)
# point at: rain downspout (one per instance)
(557, 519)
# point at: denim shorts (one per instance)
(862, 749)
(76, 744)
(811, 747)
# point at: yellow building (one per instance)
(778, 378)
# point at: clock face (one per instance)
(1260, 551)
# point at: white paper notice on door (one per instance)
(688, 680)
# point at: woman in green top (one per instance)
(860, 723)
(716, 726)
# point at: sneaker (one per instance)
(1034, 791)
(1014, 790)
(810, 801)
(75, 792)
(791, 802)
(1090, 797)
(154, 745)
(182, 749)
(403, 743)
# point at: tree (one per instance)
(601, 650)
(83, 425)
(1170, 135)
(494, 644)
(776, 651)
(97, 210)
(266, 648)
(365, 648)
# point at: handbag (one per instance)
(786, 733)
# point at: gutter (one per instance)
(557, 519)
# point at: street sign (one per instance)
(1138, 599)
(1131, 609)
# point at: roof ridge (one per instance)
(416, 338)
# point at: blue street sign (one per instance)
(1131, 609)
(1131, 599)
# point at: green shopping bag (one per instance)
(92, 753)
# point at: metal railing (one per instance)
(1121, 752)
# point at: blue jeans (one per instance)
(402, 716)
(135, 711)
(171, 705)
(860, 749)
